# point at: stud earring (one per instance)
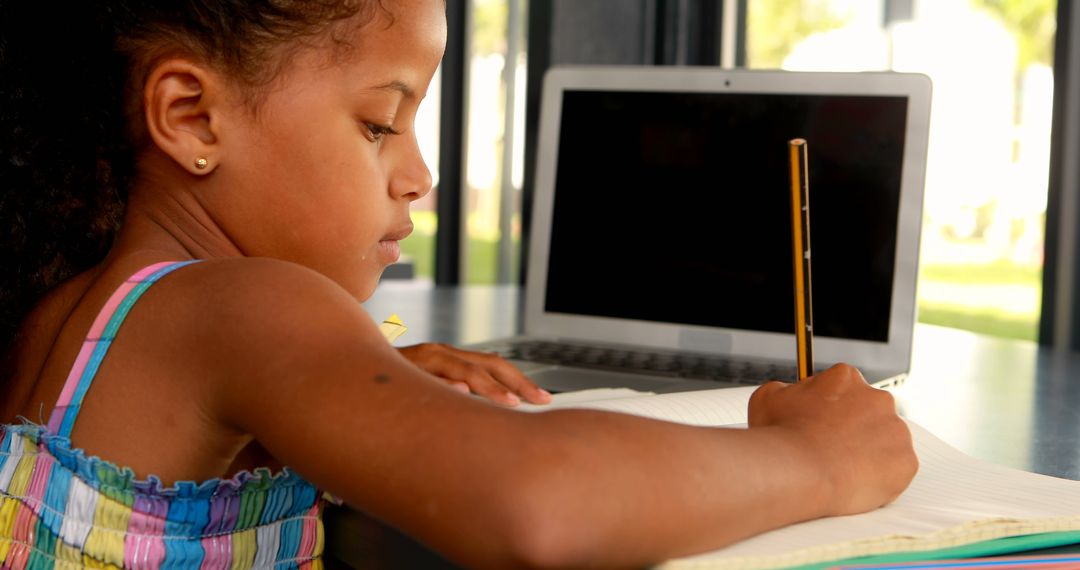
(201, 163)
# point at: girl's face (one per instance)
(324, 172)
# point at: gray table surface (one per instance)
(1004, 401)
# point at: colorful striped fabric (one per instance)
(60, 508)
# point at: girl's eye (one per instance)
(377, 132)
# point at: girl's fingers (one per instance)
(488, 375)
(758, 412)
(460, 387)
(507, 375)
(480, 381)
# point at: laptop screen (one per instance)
(685, 197)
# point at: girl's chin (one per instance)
(363, 290)
(361, 281)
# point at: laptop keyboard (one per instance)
(676, 365)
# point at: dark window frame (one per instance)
(448, 235)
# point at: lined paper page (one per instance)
(578, 397)
(721, 406)
(954, 500)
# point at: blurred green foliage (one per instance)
(775, 27)
(489, 27)
(1032, 22)
(976, 311)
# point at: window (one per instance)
(986, 183)
(494, 141)
(495, 135)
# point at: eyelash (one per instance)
(377, 132)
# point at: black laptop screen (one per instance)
(674, 207)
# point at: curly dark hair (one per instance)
(70, 78)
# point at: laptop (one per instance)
(660, 253)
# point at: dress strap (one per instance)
(98, 341)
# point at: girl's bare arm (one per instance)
(305, 371)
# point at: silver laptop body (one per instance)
(660, 237)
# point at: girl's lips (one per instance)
(389, 250)
(400, 233)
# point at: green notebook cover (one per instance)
(1006, 545)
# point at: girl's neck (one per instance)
(165, 215)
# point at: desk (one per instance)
(1003, 401)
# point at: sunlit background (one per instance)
(986, 184)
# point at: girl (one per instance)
(272, 141)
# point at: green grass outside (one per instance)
(999, 273)
(976, 310)
(482, 255)
(981, 320)
(482, 258)
(419, 248)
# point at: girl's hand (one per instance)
(850, 429)
(482, 373)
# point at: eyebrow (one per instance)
(396, 85)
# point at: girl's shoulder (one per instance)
(202, 356)
(254, 306)
(256, 280)
(220, 317)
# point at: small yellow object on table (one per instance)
(392, 328)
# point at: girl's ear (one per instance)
(184, 105)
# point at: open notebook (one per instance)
(956, 505)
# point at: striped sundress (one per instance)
(60, 508)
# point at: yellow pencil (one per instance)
(800, 248)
